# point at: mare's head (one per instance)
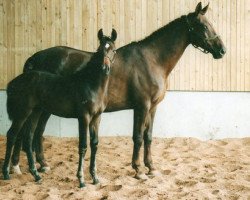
(107, 46)
(202, 34)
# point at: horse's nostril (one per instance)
(223, 51)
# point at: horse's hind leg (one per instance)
(94, 127)
(34, 120)
(18, 146)
(38, 142)
(11, 137)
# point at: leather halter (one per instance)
(107, 67)
(205, 40)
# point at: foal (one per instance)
(81, 95)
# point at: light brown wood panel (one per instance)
(27, 26)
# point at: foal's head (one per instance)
(107, 46)
(202, 35)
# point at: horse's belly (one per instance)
(66, 109)
(118, 102)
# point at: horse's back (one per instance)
(58, 60)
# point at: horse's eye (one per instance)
(205, 27)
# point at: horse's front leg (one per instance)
(140, 118)
(94, 128)
(83, 132)
(147, 144)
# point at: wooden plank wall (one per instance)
(27, 26)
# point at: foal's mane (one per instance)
(97, 58)
(94, 64)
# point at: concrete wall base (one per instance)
(203, 115)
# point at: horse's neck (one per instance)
(168, 44)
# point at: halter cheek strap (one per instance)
(112, 60)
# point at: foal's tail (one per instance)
(11, 103)
(15, 98)
(11, 108)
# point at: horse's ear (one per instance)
(100, 34)
(204, 10)
(113, 34)
(198, 8)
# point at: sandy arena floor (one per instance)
(191, 169)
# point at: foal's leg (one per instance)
(11, 138)
(94, 127)
(140, 118)
(147, 144)
(34, 120)
(18, 146)
(38, 142)
(83, 132)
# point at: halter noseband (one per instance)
(205, 40)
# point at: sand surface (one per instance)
(190, 168)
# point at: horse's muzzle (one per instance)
(223, 51)
(220, 53)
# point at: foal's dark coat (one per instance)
(139, 78)
(81, 95)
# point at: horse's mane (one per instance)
(162, 30)
(156, 33)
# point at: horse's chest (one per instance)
(156, 90)
(158, 94)
(93, 104)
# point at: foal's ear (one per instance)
(113, 34)
(100, 34)
(198, 8)
(204, 10)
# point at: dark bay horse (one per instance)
(138, 80)
(81, 95)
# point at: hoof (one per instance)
(82, 185)
(44, 169)
(38, 178)
(96, 181)
(16, 169)
(154, 173)
(6, 177)
(141, 176)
